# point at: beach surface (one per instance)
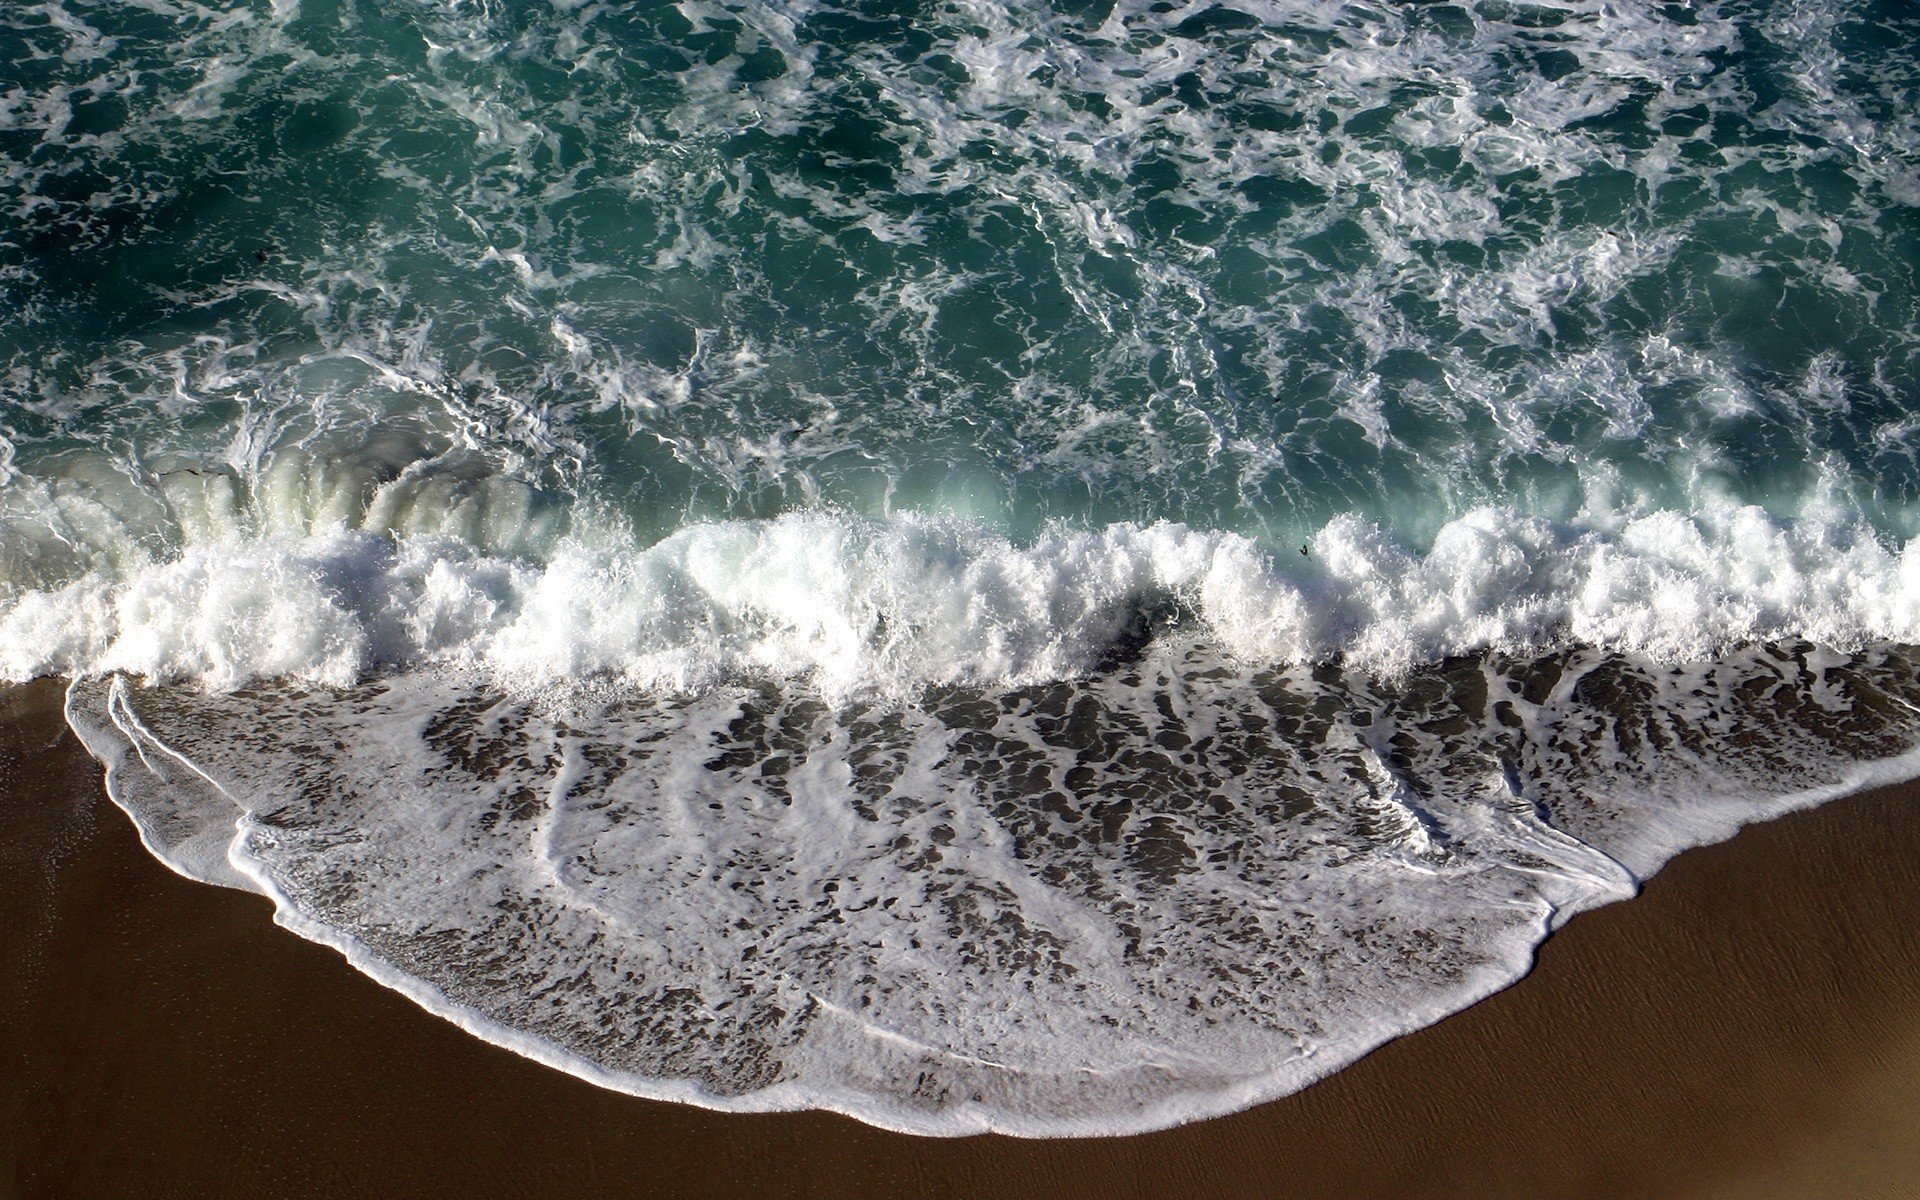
(1748, 1027)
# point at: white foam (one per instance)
(855, 604)
(1169, 891)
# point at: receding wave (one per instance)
(1168, 890)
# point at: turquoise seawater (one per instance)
(1057, 565)
(1246, 267)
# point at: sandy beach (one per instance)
(1749, 1027)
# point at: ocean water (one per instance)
(1055, 566)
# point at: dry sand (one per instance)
(1750, 1026)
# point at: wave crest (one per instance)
(857, 603)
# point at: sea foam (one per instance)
(854, 603)
(1165, 891)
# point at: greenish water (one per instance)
(1245, 267)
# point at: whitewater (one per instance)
(1056, 568)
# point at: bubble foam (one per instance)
(1166, 891)
(853, 604)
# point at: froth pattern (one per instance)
(1074, 908)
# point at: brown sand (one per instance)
(1748, 1027)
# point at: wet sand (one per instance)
(1749, 1027)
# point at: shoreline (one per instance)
(1745, 1027)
